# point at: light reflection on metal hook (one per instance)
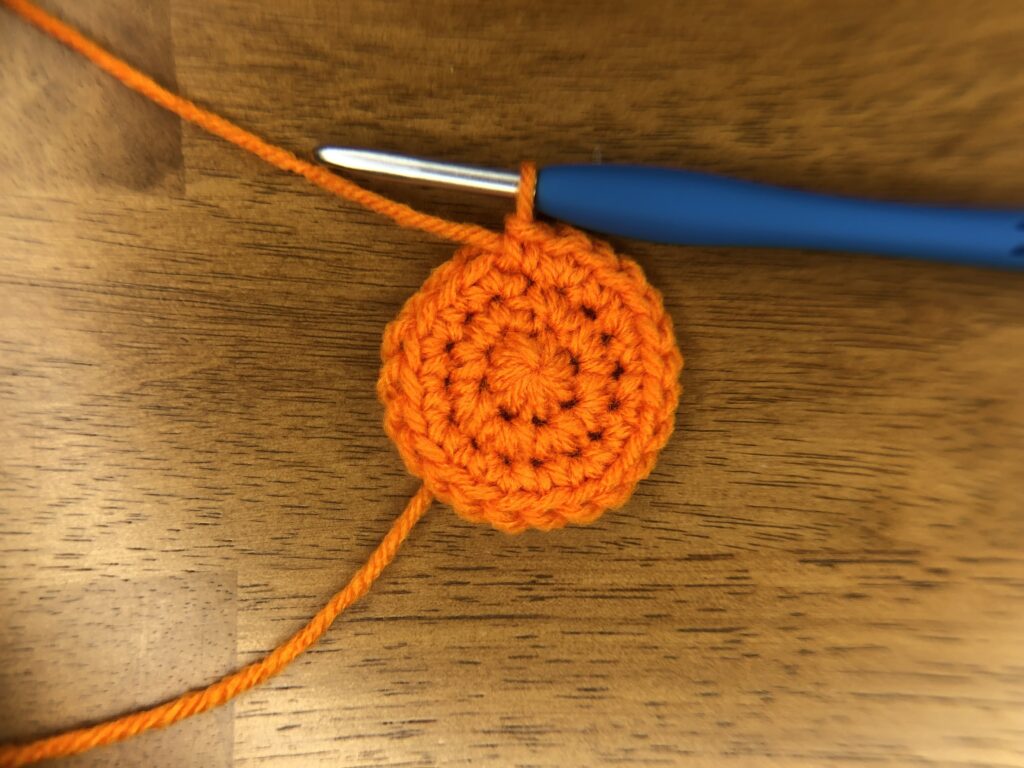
(489, 180)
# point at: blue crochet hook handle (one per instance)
(689, 208)
(675, 206)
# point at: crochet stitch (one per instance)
(530, 383)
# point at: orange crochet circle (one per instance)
(532, 385)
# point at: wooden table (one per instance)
(826, 567)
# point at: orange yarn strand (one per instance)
(225, 129)
(227, 688)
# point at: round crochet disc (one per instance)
(532, 385)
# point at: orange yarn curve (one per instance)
(225, 129)
(195, 702)
(530, 383)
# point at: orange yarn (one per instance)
(225, 129)
(212, 696)
(530, 383)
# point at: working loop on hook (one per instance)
(526, 192)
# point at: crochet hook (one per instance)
(667, 205)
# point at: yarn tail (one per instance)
(469, 234)
(197, 701)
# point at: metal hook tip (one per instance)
(454, 175)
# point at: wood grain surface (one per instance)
(827, 565)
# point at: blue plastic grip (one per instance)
(686, 207)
